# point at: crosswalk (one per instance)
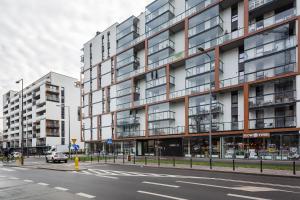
(12, 169)
(114, 173)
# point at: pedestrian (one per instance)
(6, 155)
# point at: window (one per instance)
(234, 18)
(108, 44)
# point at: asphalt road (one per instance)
(114, 182)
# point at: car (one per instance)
(56, 157)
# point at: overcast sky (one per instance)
(38, 36)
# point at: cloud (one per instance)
(41, 36)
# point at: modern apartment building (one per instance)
(147, 80)
(45, 119)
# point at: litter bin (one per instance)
(129, 158)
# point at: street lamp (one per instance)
(64, 106)
(22, 111)
(210, 102)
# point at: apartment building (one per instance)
(150, 82)
(45, 119)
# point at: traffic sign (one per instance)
(109, 141)
(76, 147)
(74, 141)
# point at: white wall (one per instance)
(179, 6)
(178, 108)
(230, 64)
(178, 39)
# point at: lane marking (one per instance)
(101, 174)
(160, 195)
(85, 195)
(242, 188)
(43, 184)
(2, 176)
(20, 168)
(161, 184)
(13, 178)
(8, 170)
(246, 197)
(61, 188)
(28, 181)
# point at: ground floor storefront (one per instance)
(269, 146)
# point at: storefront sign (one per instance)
(257, 135)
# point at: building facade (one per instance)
(146, 82)
(45, 120)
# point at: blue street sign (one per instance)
(76, 147)
(109, 141)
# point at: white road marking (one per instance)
(246, 197)
(61, 188)
(2, 176)
(20, 168)
(85, 195)
(28, 181)
(160, 195)
(43, 184)
(13, 178)
(161, 184)
(242, 188)
(8, 170)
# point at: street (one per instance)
(116, 182)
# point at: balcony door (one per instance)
(279, 117)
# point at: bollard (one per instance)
(105, 158)
(173, 162)
(191, 162)
(233, 165)
(91, 158)
(158, 160)
(114, 158)
(210, 163)
(123, 159)
(261, 165)
(98, 158)
(134, 159)
(76, 163)
(294, 167)
(145, 160)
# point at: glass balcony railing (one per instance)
(216, 107)
(164, 115)
(217, 126)
(166, 131)
(273, 20)
(259, 75)
(131, 74)
(126, 31)
(140, 102)
(257, 3)
(208, 24)
(123, 106)
(159, 81)
(170, 59)
(157, 98)
(270, 47)
(284, 97)
(217, 41)
(160, 46)
(127, 61)
(128, 134)
(167, 7)
(123, 92)
(273, 122)
(200, 88)
(177, 94)
(130, 120)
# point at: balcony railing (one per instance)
(127, 61)
(170, 59)
(167, 7)
(257, 3)
(203, 26)
(130, 120)
(273, 20)
(200, 88)
(123, 106)
(125, 91)
(270, 47)
(217, 126)
(273, 122)
(160, 46)
(216, 107)
(159, 81)
(128, 30)
(284, 97)
(157, 98)
(179, 93)
(164, 115)
(217, 41)
(128, 134)
(131, 74)
(166, 131)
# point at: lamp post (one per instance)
(22, 111)
(210, 102)
(64, 106)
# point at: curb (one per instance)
(45, 168)
(212, 171)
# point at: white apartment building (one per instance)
(147, 80)
(45, 120)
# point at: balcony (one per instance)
(161, 46)
(131, 74)
(128, 30)
(124, 92)
(123, 106)
(179, 93)
(130, 120)
(286, 97)
(253, 4)
(270, 47)
(170, 59)
(130, 134)
(216, 107)
(160, 81)
(52, 98)
(273, 20)
(166, 131)
(163, 115)
(217, 41)
(168, 7)
(200, 88)
(273, 122)
(217, 126)
(127, 61)
(206, 25)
